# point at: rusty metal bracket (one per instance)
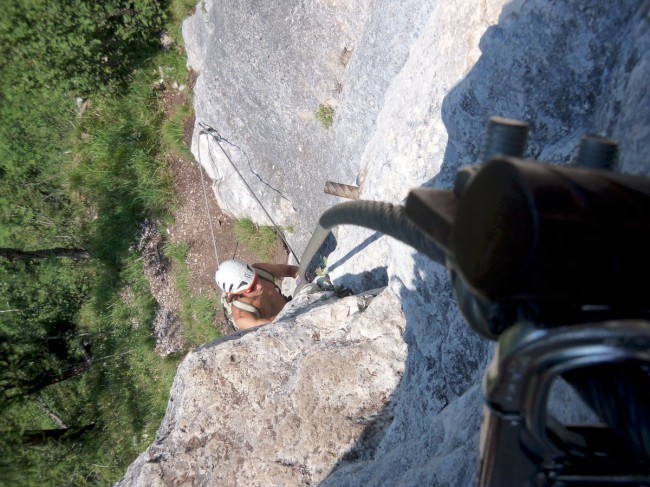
(342, 190)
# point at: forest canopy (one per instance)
(81, 389)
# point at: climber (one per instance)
(251, 290)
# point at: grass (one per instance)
(130, 395)
(322, 270)
(198, 311)
(172, 131)
(179, 10)
(258, 238)
(130, 385)
(119, 176)
(325, 115)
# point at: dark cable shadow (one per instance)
(362, 246)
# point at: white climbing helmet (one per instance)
(235, 276)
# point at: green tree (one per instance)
(38, 346)
(81, 389)
(77, 46)
(14, 255)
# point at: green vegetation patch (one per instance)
(173, 129)
(116, 170)
(82, 390)
(325, 115)
(198, 311)
(76, 46)
(258, 238)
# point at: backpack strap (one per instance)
(246, 307)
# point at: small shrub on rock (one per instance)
(325, 115)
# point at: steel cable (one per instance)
(205, 197)
(212, 132)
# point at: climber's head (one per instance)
(235, 277)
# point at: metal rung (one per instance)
(342, 190)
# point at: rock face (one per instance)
(265, 68)
(281, 405)
(413, 84)
(566, 70)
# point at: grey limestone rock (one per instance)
(264, 69)
(281, 404)
(413, 85)
(566, 70)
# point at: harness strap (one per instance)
(246, 307)
(249, 307)
(267, 276)
(264, 274)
